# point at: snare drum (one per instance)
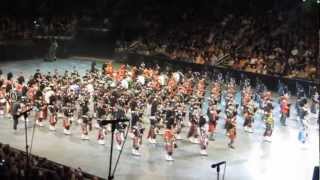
(2, 105)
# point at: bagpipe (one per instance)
(24, 112)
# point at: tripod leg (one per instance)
(27, 150)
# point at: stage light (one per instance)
(304, 0)
(318, 1)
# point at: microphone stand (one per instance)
(218, 168)
(113, 128)
(218, 172)
(25, 114)
(27, 167)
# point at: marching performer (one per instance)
(249, 116)
(101, 112)
(9, 93)
(119, 134)
(101, 135)
(86, 121)
(121, 72)
(314, 103)
(266, 103)
(3, 100)
(303, 134)
(40, 111)
(201, 88)
(284, 108)
(269, 121)
(108, 69)
(169, 140)
(179, 117)
(203, 136)
(16, 110)
(53, 113)
(216, 93)
(193, 131)
(137, 130)
(153, 123)
(213, 115)
(68, 114)
(120, 127)
(231, 123)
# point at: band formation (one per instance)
(164, 102)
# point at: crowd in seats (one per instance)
(282, 50)
(270, 44)
(59, 25)
(13, 163)
(204, 43)
(14, 28)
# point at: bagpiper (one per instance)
(193, 134)
(169, 140)
(101, 135)
(120, 127)
(179, 117)
(53, 113)
(86, 124)
(3, 100)
(249, 116)
(153, 122)
(213, 115)
(68, 114)
(304, 132)
(269, 122)
(137, 130)
(40, 110)
(119, 135)
(203, 136)
(314, 103)
(231, 123)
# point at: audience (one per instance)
(269, 43)
(275, 47)
(55, 26)
(13, 163)
(13, 28)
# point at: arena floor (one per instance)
(253, 159)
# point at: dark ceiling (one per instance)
(110, 7)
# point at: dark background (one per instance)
(134, 7)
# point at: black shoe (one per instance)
(231, 146)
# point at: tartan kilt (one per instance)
(212, 126)
(232, 133)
